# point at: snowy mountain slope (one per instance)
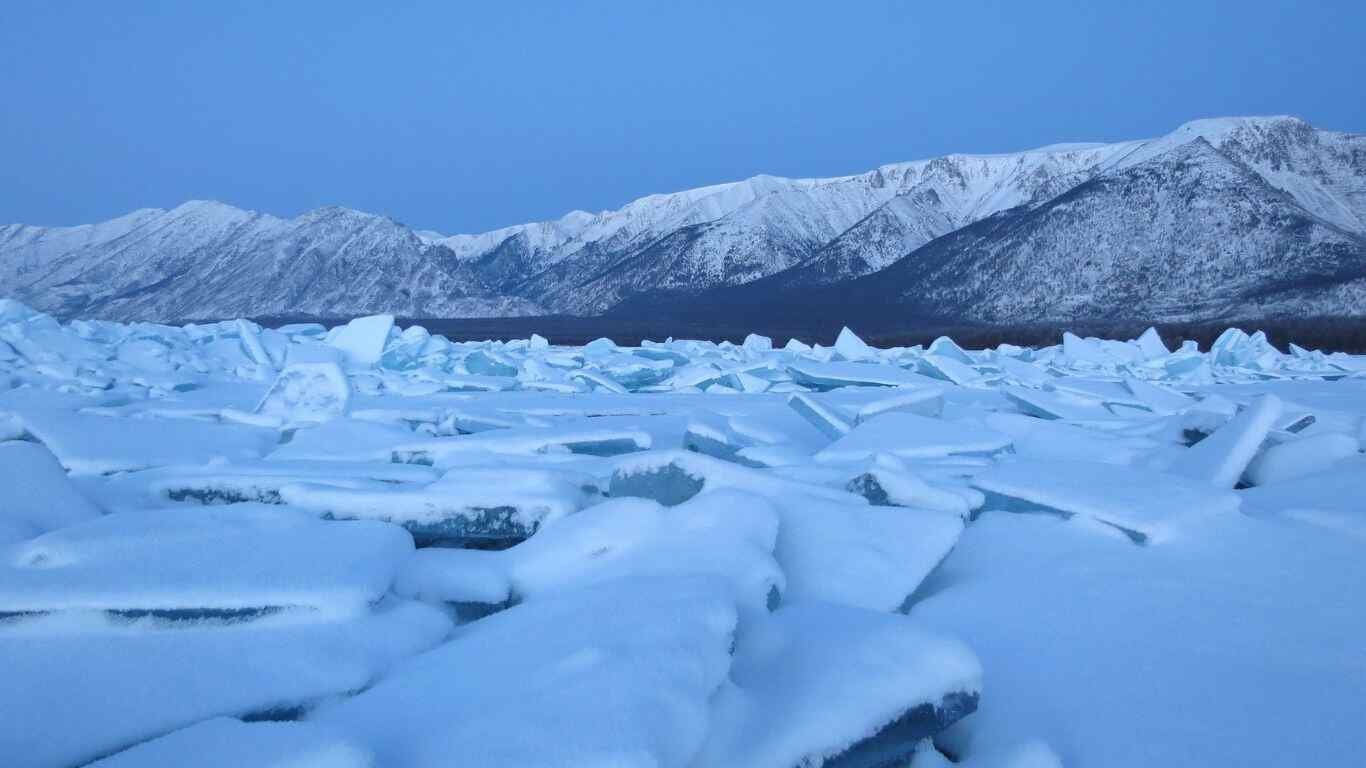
(1324, 171)
(212, 260)
(1190, 233)
(207, 260)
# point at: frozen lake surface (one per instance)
(370, 546)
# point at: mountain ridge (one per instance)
(210, 259)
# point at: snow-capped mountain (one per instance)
(210, 260)
(1225, 209)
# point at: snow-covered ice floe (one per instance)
(228, 544)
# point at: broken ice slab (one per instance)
(443, 451)
(1022, 372)
(88, 444)
(1146, 505)
(848, 346)
(1302, 456)
(1056, 405)
(619, 674)
(484, 362)
(1050, 439)
(824, 418)
(710, 433)
(36, 496)
(911, 436)
(362, 339)
(1157, 398)
(728, 535)
(832, 375)
(225, 742)
(79, 688)
(928, 401)
(307, 392)
(475, 581)
(885, 484)
(948, 369)
(344, 440)
(261, 481)
(948, 348)
(1221, 458)
(858, 554)
(488, 507)
(818, 684)
(1294, 422)
(243, 559)
(673, 477)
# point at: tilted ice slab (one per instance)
(593, 442)
(818, 684)
(1145, 504)
(729, 535)
(262, 480)
(832, 544)
(214, 560)
(1044, 439)
(225, 742)
(469, 504)
(673, 477)
(1221, 458)
(362, 339)
(307, 392)
(912, 436)
(620, 674)
(78, 688)
(89, 444)
(1299, 457)
(344, 440)
(829, 375)
(35, 494)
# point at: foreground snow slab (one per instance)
(204, 561)
(620, 674)
(80, 687)
(1189, 653)
(819, 684)
(92, 444)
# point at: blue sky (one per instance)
(463, 117)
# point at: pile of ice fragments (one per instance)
(231, 545)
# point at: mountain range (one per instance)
(1231, 217)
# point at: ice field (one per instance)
(225, 545)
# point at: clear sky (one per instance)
(464, 116)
